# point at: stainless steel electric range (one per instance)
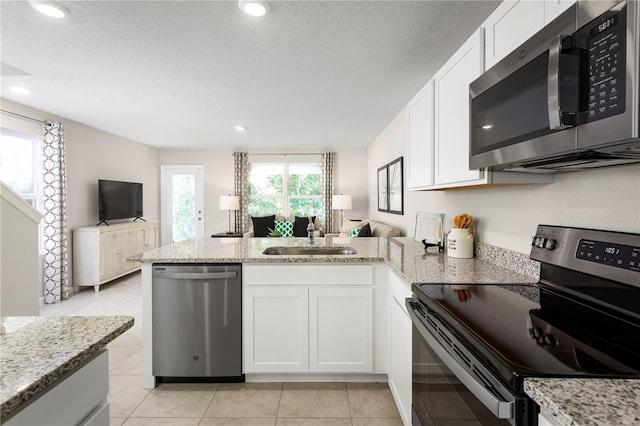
(473, 346)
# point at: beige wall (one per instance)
(607, 198)
(351, 178)
(91, 155)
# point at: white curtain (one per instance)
(241, 189)
(328, 184)
(54, 210)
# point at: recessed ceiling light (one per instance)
(487, 126)
(240, 128)
(254, 7)
(20, 90)
(50, 8)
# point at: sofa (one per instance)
(278, 218)
(353, 228)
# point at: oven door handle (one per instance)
(499, 408)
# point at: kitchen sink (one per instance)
(309, 251)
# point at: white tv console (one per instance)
(100, 253)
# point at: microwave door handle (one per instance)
(553, 85)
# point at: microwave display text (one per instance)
(618, 255)
(607, 63)
(605, 25)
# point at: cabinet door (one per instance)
(400, 362)
(275, 326)
(553, 8)
(341, 329)
(452, 113)
(420, 146)
(399, 345)
(139, 240)
(125, 248)
(510, 25)
(152, 237)
(108, 255)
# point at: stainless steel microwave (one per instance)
(566, 99)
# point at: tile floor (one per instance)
(237, 404)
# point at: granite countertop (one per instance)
(405, 256)
(38, 351)
(587, 402)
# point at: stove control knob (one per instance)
(549, 340)
(541, 242)
(550, 244)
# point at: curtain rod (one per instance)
(24, 117)
(285, 154)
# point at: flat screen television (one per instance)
(119, 200)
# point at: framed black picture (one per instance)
(395, 187)
(383, 184)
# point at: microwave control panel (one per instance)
(607, 64)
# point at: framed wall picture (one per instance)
(395, 187)
(383, 184)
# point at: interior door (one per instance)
(182, 201)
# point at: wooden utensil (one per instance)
(463, 221)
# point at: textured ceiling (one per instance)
(321, 74)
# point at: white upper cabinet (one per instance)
(420, 144)
(451, 85)
(553, 8)
(514, 22)
(510, 25)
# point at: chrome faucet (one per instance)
(310, 230)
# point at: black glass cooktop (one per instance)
(538, 330)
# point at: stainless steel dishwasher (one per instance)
(197, 321)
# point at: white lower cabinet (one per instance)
(399, 346)
(341, 329)
(276, 322)
(100, 253)
(545, 419)
(79, 399)
(308, 318)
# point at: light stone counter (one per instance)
(407, 258)
(587, 402)
(36, 352)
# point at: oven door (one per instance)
(450, 385)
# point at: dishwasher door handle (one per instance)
(196, 275)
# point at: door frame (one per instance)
(166, 171)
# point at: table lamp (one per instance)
(228, 203)
(342, 203)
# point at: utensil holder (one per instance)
(460, 243)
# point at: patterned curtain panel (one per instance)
(54, 210)
(328, 184)
(241, 189)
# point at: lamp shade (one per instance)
(341, 202)
(229, 202)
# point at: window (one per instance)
(286, 189)
(20, 165)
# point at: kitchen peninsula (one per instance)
(397, 261)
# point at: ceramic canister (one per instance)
(460, 243)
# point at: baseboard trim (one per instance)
(318, 377)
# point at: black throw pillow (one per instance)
(365, 231)
(300, 226)
(262, 224)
